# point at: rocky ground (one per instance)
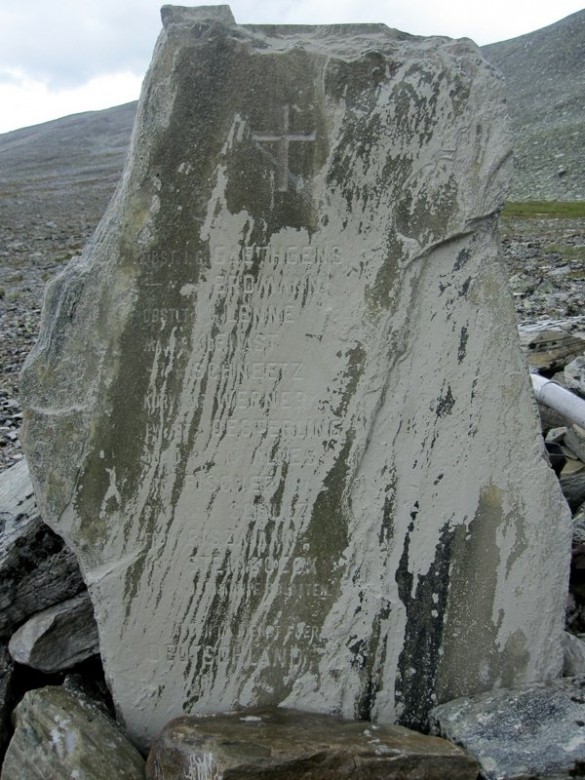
(30, 254)
(545, 258)
(546, 262)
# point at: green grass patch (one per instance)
(568, 251)
(551, 209)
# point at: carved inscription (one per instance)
(283, 139)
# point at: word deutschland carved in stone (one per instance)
(278, 408)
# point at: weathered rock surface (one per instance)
(550, 347)
(574, 440)
(537, 732)
(37, 570)
(574, 649)
(6, 692)
(62, 735)
(573, 487)
(57, 638)
(575, 374)
(579, 526)
(278, 408)
(281, 744)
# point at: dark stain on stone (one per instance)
(445, 404)
(356, 358)
(425, 608)
(276, 500)
(462, 259)
(465, 287)
(386, 533)
(371, 663)
(462, 349)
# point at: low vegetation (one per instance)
(549, 209)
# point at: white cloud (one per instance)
(77, 55)
(32, 102)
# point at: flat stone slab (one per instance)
(536, 732)
(279, 409)
(550, 346)
(37, 570)
(6, 696)
(58, 637)
(281, 744)
(59, 734)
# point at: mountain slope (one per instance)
(65, 167)
(68, 168)
(545, 73)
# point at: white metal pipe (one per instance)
(560, 399)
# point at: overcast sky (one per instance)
(59, 58)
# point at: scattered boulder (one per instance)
(574, 440)
(37, 570)
(59, 734)
(574, 655)
(579, 526)
(532, 732)
(573, 487)
(550, 347)
(6, 702)
(57, 638)
(281, 744)
(575, 375)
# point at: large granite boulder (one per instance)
(520, 734)
(60, 734)
(37, 569)
(280, 744)
(278, 408)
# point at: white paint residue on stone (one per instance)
(188, 290)
(202, 768)
(112, 492)
(155, 205)
(63, 738)
(574, 743)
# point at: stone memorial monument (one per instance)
(278, 409)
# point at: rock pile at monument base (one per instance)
(281, 744)
(536, 732)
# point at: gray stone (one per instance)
(57, 638)
(278, 407)
(573, 487)
(6, 697)
(176, 14)
(62, 735)
(574, 649)
(535, 732)
(37, 570)
(575, 441)
(575, 374)
(556, 435)
(281, 744)
(550, 347)
(579, 526)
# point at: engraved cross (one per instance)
(283, 139)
